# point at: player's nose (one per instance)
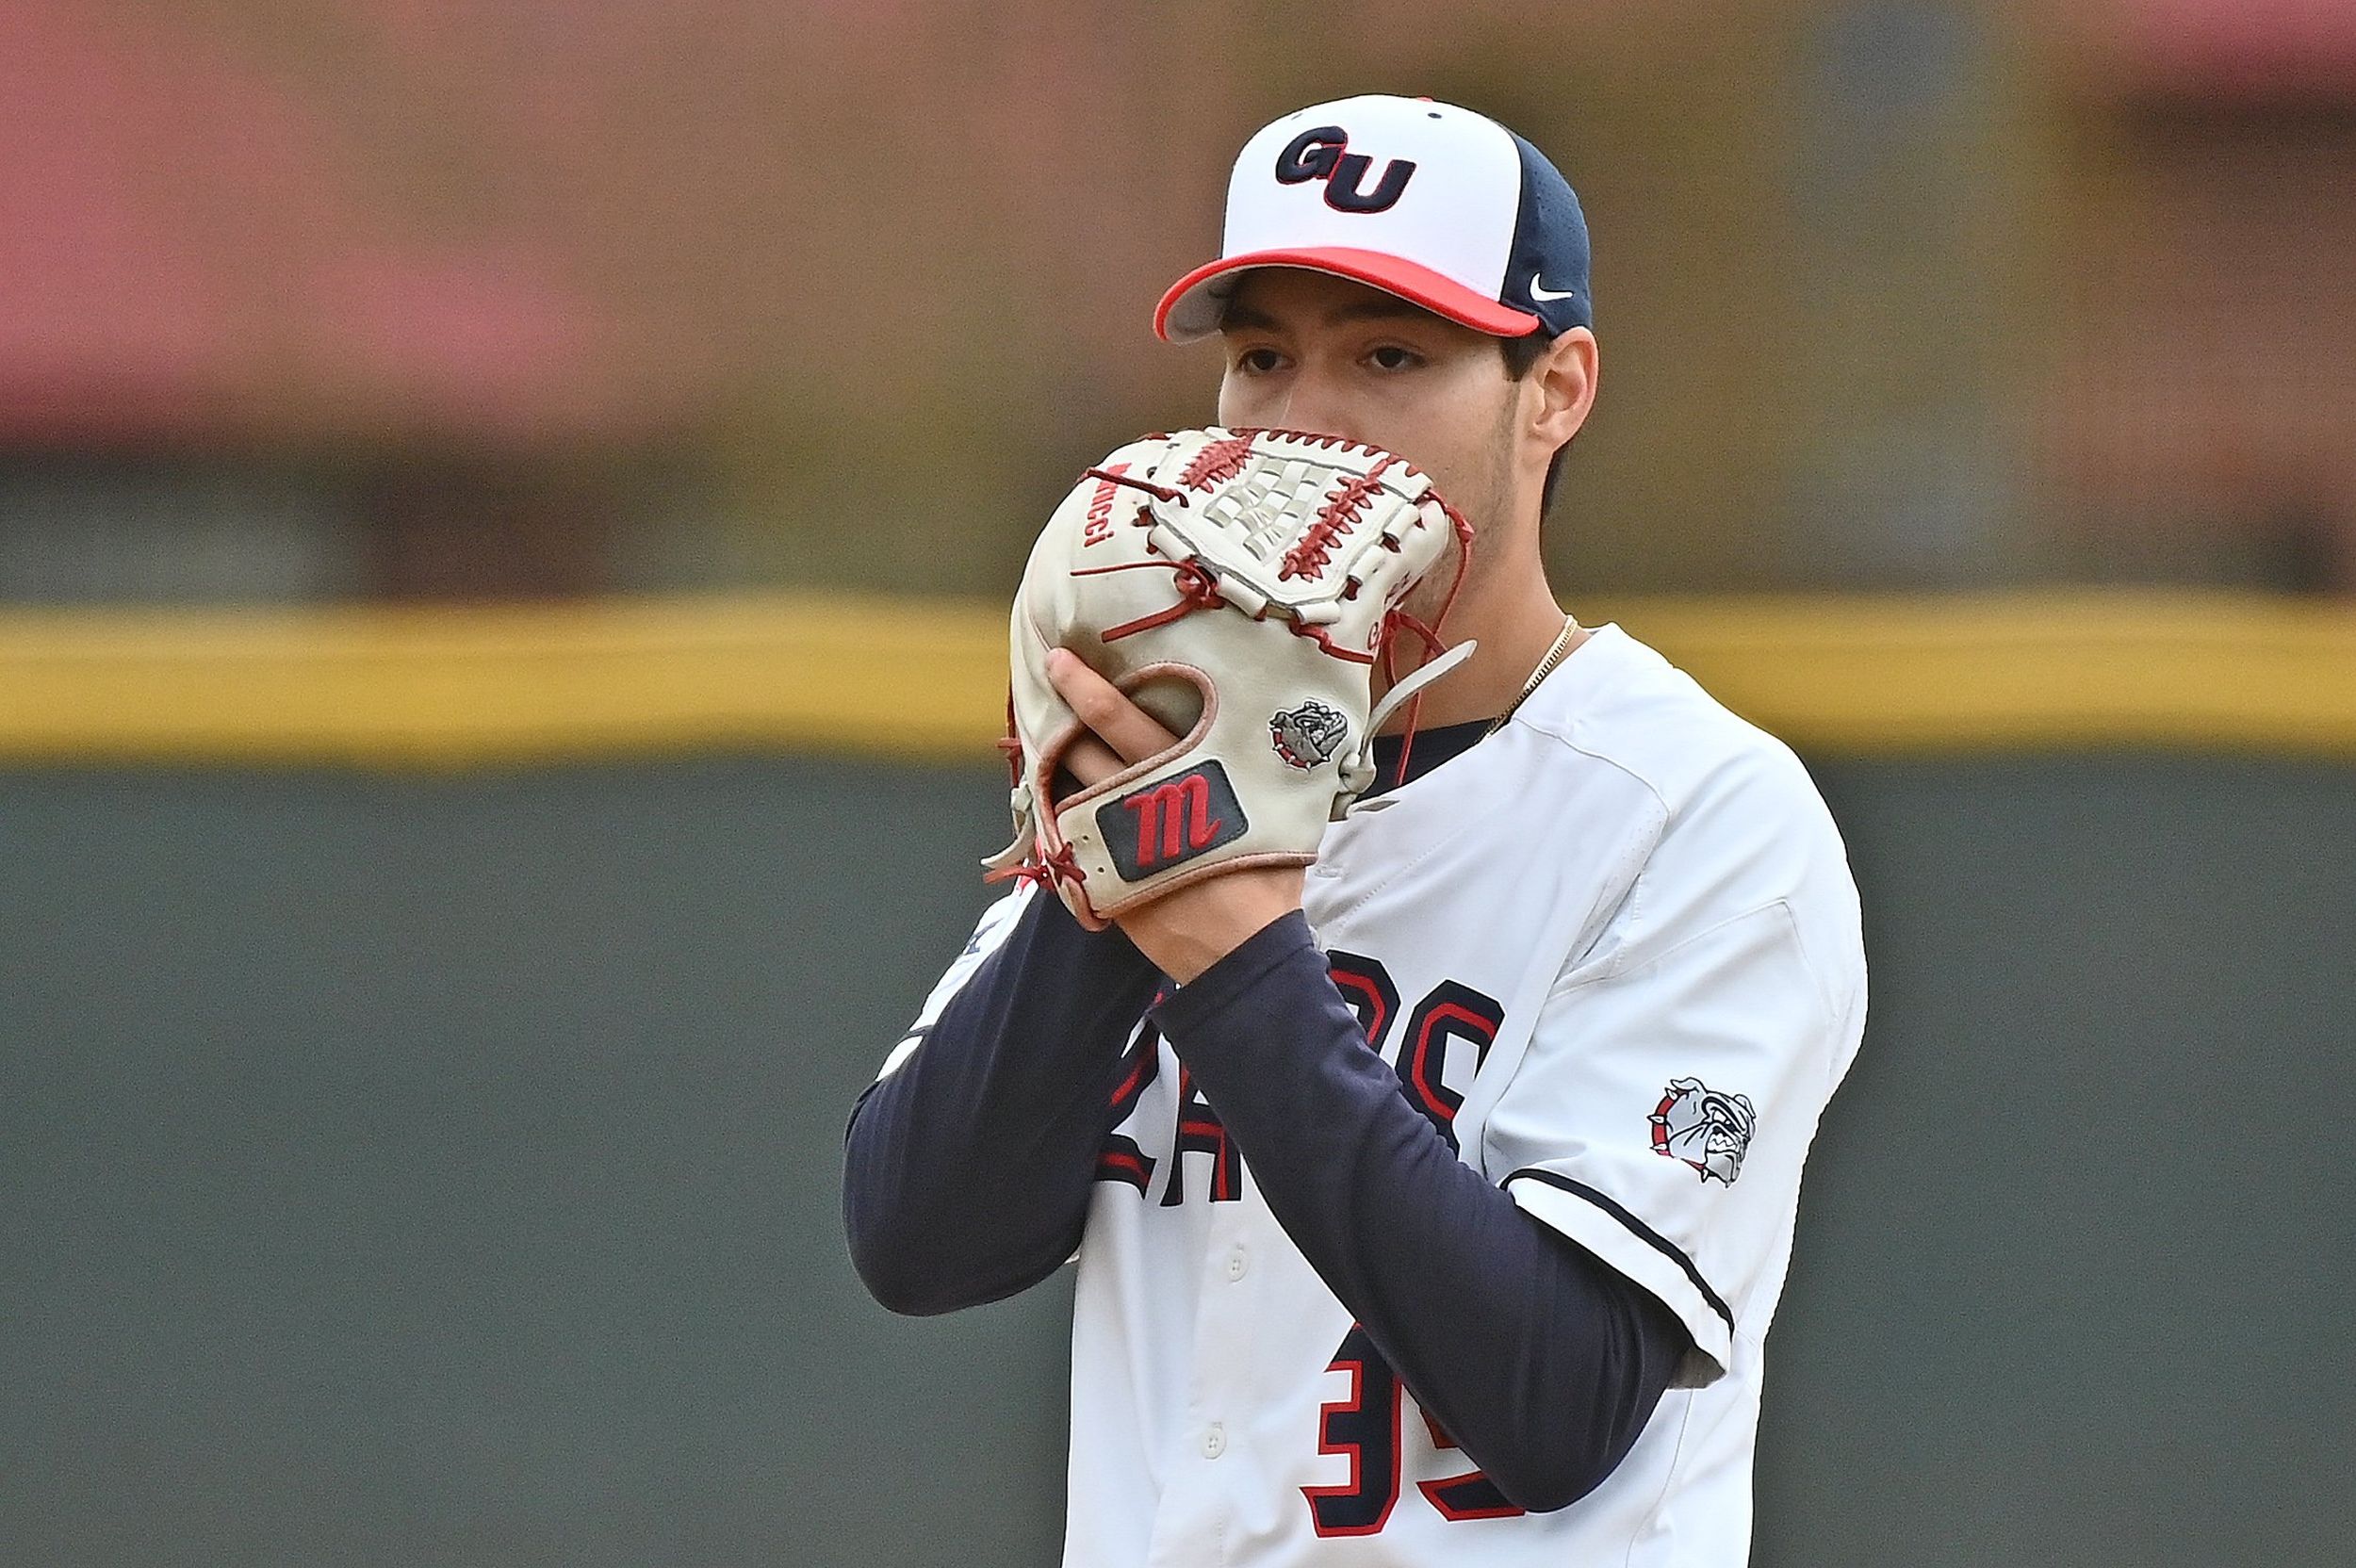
(1320, 405)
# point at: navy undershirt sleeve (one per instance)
(967, 1171)
(1543, 1363)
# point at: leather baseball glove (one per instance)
(1241, 586)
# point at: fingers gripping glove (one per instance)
(1241, 586)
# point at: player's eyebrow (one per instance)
(1381, 307)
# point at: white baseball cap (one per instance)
(1434, 203)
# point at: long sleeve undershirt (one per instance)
(969, 1171)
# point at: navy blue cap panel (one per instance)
(1546, 274)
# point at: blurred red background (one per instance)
(380, 298)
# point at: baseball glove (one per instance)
(1241, 586)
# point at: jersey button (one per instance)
(1238, 1263)
(1214, 1441)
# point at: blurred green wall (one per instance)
(409, 1169)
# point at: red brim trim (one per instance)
(1190, 309)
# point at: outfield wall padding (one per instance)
(403, 1167)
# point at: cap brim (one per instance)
(1192, 308)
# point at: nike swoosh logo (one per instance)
(1538, 290)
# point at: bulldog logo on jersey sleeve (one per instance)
(1708, 1130)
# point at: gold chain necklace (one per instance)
(1546, 667)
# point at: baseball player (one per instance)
(1430, 1205)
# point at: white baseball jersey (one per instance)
(1616, 946)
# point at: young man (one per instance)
(1431, 1206)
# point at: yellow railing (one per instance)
(926, 680)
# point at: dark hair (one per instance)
(1522, 353)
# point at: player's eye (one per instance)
(1258, 362)
(1390, 357)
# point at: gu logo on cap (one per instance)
(1323, 154)
(1433, 203)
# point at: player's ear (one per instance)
(1564, 376)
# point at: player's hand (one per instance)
(1188, 931)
